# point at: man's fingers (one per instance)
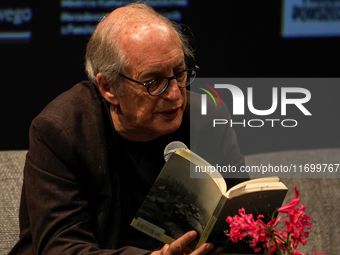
(178, 246)
(162, 251)
(203, 249)
(216, 250)
(165, 248)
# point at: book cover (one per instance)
(177, 203)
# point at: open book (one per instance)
(177, 203)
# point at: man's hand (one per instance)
(178, 246)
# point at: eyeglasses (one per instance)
(160, 84)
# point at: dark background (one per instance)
(235, 38)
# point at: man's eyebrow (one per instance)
(152, 75)
(158, 73)
(182, 63)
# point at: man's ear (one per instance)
(106, 89)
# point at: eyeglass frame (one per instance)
(162, 77)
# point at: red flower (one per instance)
(286, 240)
(298, 221)
(245, 225)
(289, 207)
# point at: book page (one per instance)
(198, 161)
(241, 187)
(177, 203)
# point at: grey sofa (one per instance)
(11, 175)
(320, 196)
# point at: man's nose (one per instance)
(173, 92)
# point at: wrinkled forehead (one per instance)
(144, 35)
(141, 34)
(134, 20)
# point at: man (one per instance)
(96, 150)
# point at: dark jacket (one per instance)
(71, 201)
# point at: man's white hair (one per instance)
(104, 54)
